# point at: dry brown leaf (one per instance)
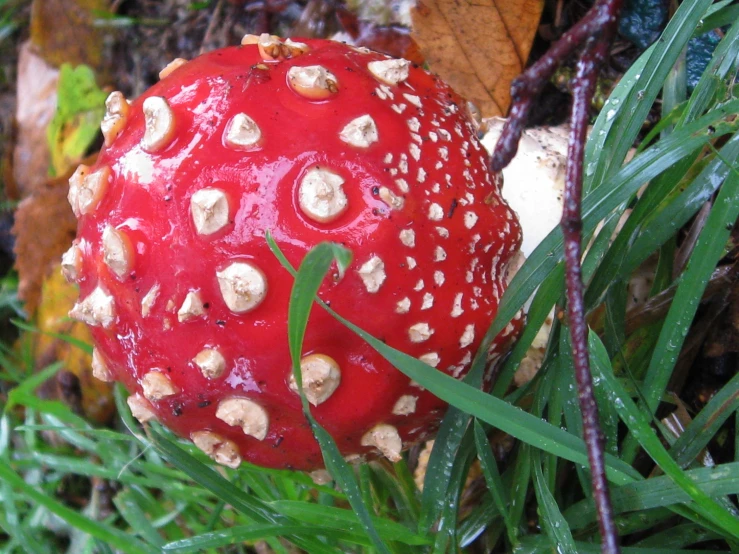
(479, 46)
(44, 229)
(64, 31)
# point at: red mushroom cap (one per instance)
(314, 141)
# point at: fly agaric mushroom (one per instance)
(314, 141)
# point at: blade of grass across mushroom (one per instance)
(308, 280)
(708, 251)
(640, 426)
(496, 412)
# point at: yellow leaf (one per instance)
(57, 298)
(478, 46)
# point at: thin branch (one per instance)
(583, 89)
(595, 32)
(530, 83)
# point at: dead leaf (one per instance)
(477, 47)
(75, 384)
(44, 228)
(36, 105)
(64, 31)
(394, 40)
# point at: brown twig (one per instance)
(595, 31)
(583, 89)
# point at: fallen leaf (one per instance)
(36, 104)
(477, 47)
(75, 384)
(44, 229)
(76, 124)
(64, 31)
(394, 40)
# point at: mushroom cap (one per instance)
(199, 299)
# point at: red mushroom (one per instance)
(314, 141)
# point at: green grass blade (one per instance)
(706, 424)
(550, 517)
(658, 492)
(708, 251)
(237, 535)
(494, 481)
(639, 425)
(308, 280)
(136, 518)
(604, 157)
(338, 518)
(106, 533)
(498, 413)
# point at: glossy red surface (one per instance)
(148, 198)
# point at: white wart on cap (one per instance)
(117, 252)
(217, 447)
(314, 82)
(321, 377)
(97, 309)
(209, 210)
(386, 439)
(86, 189)
(242, 132)
(99, 367)
(244, 413)
(116, 116)
(156, 386)
(321, 196)
(140, 408)
(159, 124)
(391, 72)
(72, 263)
(211, 362)
(243, 286)
(360, 132)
